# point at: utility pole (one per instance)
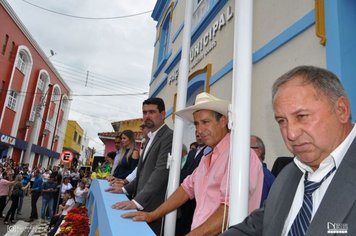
(37, 122)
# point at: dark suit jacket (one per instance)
(337, 207)
(149, 187)
(186, 211)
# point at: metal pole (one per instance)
(174, 172)
(241, 108)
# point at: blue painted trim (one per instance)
(169, 112)
(158, 9)
(175, 36)
(160, 87)
(223, 71)
(174, 62)
(207, 20)
(159, 68)
(297, 28)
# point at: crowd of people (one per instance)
(60, 189)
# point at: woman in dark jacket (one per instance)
(17, 192)
(128, 155)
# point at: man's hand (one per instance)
(114, 190)
(125, 205)
(139, 216)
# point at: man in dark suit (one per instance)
(148, 190)
(314, 116)
(186, 211)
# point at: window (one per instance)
(164, 39)
(79, 139)
(75, 136)
(12, 100)
(42, 82)
(11, 50)
(20, 64)
(5, 45)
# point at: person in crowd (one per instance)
(128, 155)
(63, 211)
(66, 185)
(45, 175)
(81, 193)
(17, 191)
(258, 146)
(74, 177)
(144, 138)
(279, 164)
(117, 156)
(108, 163)
(48, 190)
(193, 145)
(58, 179)
(186, 211)
(184, 155)
(148, 189)
(36, 191)
(4, 192)
(209, 183)
(316, 190)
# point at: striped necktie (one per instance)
(302, 221)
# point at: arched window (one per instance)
(42, 82)
(21, 62)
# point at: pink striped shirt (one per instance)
(208, 184)
(4, 187)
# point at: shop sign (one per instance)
(7, 139)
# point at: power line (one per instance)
(85, 17)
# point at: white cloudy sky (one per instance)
(117, 53)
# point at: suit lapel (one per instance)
(339, 197)
(158, 135)
(282, 207)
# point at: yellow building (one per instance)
(73, 139)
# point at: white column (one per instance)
(175, 165)
(241, 112)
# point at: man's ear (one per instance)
(343, 109)
(223, 121)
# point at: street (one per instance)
(21, 227)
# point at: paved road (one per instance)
(21, 227)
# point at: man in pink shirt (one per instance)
(209, 183)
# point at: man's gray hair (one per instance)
(324, 81)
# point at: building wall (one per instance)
(15, 122)
(72, 141)
(284, 36)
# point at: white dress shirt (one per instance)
(334, 159)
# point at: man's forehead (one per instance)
(150, 107)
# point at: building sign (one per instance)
(173, 77)
(207, 42)
(7, 139)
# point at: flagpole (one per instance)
(175, 162)
(241, 111)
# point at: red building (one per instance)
(34, 100)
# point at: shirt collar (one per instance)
(152, 135)
(335, 157)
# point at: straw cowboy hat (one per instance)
(204, 101)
